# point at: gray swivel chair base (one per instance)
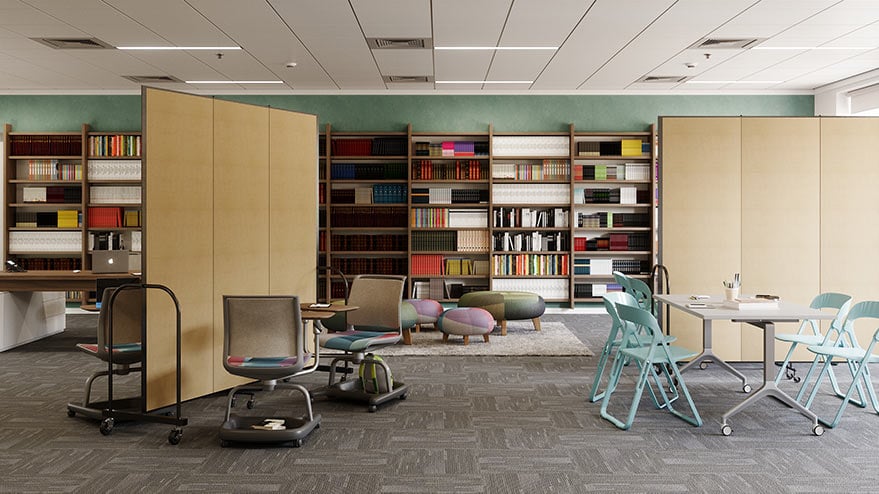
(239, 429)
(352, 389)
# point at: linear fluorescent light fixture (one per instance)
(733, 82)
(187, 48)
(496, 48)
(484, 82)
(234, 82)
(814, 48)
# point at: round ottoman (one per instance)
(415, 312)
(507, 306)
(466, 322)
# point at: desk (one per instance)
(55, 281)
(764, 319)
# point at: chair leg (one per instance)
(466, 339)
(503, 327)
(485, 337)
(407, 335)
(445, 337)
(536, 322)
(594, 394)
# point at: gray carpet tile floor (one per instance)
(470, 425)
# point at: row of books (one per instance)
(371, 265)
(427, 264)
(611, 195)
(606, 267)
(377, 146)
(48, 263)
(530, 242)
(532, 193)
(530, 218)
(606, 219)
(443, 170)
(548, 288)
(626, 171)
(55, 194)
(114, 170)
(445, 217)
(368, 171)
(115, 194)
(436, 240)
(376, 194)
(63, 218)
(48, 170)
(592, 290)
(114, 145)
(51, 241)
(107, 241)
(545, 170)
(366, 217)
(105, 217)
(451, 148)
(614, 241)
(369, 242)
(530, 146)
(448, 195)
(530, 264)
(45, 145)
(624, 147)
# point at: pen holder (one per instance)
(730, 293)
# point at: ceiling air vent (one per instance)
(399, 43)
(726, 43)
(151, 79)
(407, 78)
(74, 43)
(663, 79)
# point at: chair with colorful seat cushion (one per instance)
(657, 354)
(857, 359)
(265, 339)
(125, 320)
(375, 323)
(809, 333)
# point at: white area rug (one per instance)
(553, 339)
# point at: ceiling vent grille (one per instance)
(403, 79)
(726, 43)
(74, 43)
(663, 79)
(151, 79)
(399, 43)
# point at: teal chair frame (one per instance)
(830, 300)
(857, 359)
(658, 354)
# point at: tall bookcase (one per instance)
(549, 212)
(69, 193)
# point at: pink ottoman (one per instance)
(466, 322)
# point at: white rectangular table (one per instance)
(764, 319)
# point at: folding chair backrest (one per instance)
(610, 302)
(862, 310)
(642, 293)
(622, 280)
(831, 300)
(378, 300)
(263, 326)
(640, 319)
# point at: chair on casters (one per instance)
(856, 358)
(828, 300)
(264, 339)
(657, 352)
(374, 324)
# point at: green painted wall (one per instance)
(425, 112)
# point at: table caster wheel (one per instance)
(796, 379)
(726, 430)
(106, 426)
(224, 443)
(71, 413)
(703, 365)
(174, 436)
(746, 388)
(818, 430)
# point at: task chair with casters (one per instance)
(830, 300)
(127, 322)
(856, 357)
(658, 351)
(614, 341)
(374, 324)
(264, 339)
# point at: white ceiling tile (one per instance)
(534, 23)
(174, 21)
(770, 17)
(511, 66)
(394, 18)
(468, 22)
(461, 65)
(404, 62)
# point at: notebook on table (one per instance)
(110, 261)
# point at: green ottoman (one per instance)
(507, 306)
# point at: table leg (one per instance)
(769, 388)
(708, 355)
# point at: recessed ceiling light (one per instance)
(234, 82)
(496, 48)
(178, 47)
(733, 82)
(484, 82)
(290, 65)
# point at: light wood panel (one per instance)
(178, 240)
(849, 210)
(780, 217)
(701, 217)
(240, 206)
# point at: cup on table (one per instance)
(730, 293)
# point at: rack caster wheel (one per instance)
(404, 396)
(296, 443)
(174, 436)
(726, 430)
(71, 413)
(106, 426)
(818, 430)
(703, 365)
(746, 388)
(224, 443)
(249, 404)
(372, 408)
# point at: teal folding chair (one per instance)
(614, 341)
(658, 354)
(622, 280)
(856, 357)
(643, 294)
(803, 336)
